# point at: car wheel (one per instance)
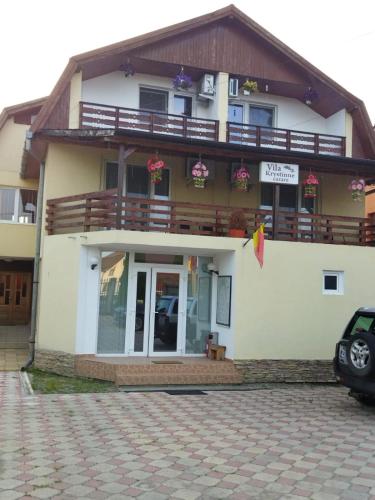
(360, 354)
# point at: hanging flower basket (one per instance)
(241, 178)
(155, 167)
(357, 188)
(182, 81)
(310, 186)
(200, 173)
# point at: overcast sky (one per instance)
(38, 37)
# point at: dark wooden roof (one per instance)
(22, 112)
(224, 40)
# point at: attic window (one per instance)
(153, 100)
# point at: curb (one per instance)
(26, 384)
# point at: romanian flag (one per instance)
(258, 241)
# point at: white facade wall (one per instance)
(116, 90)
(293, 114)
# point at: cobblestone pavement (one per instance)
(290, 443)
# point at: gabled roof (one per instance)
(29, 107)
(230, 13)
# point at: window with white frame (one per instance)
(153, 100)
(261, 116)
(17, 205)
(333, 282)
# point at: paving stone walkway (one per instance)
(290, 443)
(12, 359)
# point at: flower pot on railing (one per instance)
(237, 224)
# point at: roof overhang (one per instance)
(220, 151)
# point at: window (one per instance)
(18, 205)
(111, 175)
(7, 202)
(182, 105)
(288, 196)
(333, 282)
(261, 116)
(361, 324)
(153, 100)
(235, 113)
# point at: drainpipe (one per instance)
(34, 303)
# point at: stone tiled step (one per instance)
(178, 379)
(189, 373)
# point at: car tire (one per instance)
(361, 354)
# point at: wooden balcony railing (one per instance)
(102, 116)
(103, 210)
(287, 140)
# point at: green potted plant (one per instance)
(237, 224)
(249, 86)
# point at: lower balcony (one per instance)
(105, 210)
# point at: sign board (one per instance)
(278, 173)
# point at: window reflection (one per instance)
(198, 311)
(112, 308)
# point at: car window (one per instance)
(175, 307)
(163, 304)
(362, 324)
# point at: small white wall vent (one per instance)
(233, 87)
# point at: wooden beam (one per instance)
(275, 211)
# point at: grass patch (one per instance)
(50, 383)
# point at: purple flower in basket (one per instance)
(182, 81)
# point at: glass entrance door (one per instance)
(156, 326)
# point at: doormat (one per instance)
(186, 392)
(166, 362)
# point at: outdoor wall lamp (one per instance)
(211, 268)
(94, 261)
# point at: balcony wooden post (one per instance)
(87, 221)
(316, 144)
(288, 140)
(343, 146)
(184, 126)
(275, 211)
(257, 139)
(80, 114)
(120, 184)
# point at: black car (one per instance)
(354, 361)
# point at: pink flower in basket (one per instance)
(200, 170)
(311, 180)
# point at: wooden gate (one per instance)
(15, 298)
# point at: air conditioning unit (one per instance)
(207, 85)
(233, 87)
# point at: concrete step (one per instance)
(191, 372)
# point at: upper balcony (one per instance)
(102, 116)
(94, 115)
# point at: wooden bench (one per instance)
(216, 352)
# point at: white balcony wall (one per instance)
(116, 90)
(294, 115)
